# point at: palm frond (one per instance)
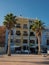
(37, 26)
(9, 20)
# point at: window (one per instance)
(25, 26)
(32, 34)
(11, 32)
(24, 47)
(25, 33)
(47, 42)
(18, 40)
(25, 41)
(11, 40)
(37, 41)
(32, 41)
(18, 33)
(18, 25)
(18, 49)
(30, 21)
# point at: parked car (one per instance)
(18, 51)
(48, 52)
(44, 53)
(26, 51)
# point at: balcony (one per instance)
(18, 25)
(25, 44)
(17, 37)
(18, 32)
(25, 37)
(32, 45)
(25, 26)
(17, 42)
(25, 34)
(32, 34)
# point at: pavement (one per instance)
(24, 59)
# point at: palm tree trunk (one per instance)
(39, 49)
(9, 38)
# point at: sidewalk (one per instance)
(21, 59)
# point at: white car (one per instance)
(44, 54)
(18, 51)
(26, 51)
(48, 52)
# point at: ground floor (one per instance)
(24, 49)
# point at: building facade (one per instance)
(45, 38)
(23, 39)
(2, 38)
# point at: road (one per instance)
(24, 60)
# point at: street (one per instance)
(21, 59)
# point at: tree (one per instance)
(37, 27)
(9, 22)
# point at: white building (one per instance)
(24, 39)
(45, 38)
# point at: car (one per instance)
(44, 53)
(18, 51)
(26, 51)
(48, 52)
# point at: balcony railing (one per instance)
(18, 26)
(25, 44)
(25, 34)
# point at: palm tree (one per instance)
(9, 22)
(37, 27)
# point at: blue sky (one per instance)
(27, 8)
